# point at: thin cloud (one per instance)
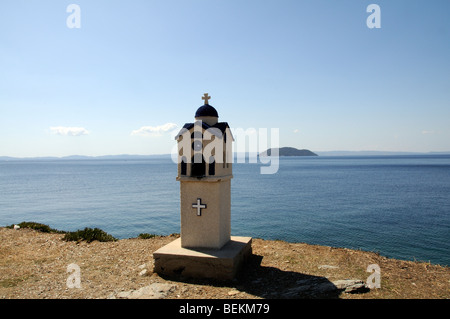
(427, 132)
(155, 130)
(69, 131)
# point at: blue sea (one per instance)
(398, 206)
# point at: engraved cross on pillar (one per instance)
(199, 206)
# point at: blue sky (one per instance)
(136, 71)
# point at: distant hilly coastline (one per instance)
(288, 151)
(283, 151)
(83, 157)
(376, 153)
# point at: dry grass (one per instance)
(34, 265)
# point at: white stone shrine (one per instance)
(205, 247)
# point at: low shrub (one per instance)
(146, 236)
(89, 235)
(38, 227)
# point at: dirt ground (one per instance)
(34, 265)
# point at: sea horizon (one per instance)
(236, 154)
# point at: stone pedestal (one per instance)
(221, 264)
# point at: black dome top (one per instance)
(206, 110)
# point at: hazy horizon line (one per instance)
(324, 153)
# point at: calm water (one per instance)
(397, 206)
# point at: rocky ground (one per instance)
(35, 265)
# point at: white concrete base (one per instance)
(222, 264)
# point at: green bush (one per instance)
(37, 226)
(146, 236)
(89, 235)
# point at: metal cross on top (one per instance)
(206, 97)
(199, 206)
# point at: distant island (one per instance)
(288, 151)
